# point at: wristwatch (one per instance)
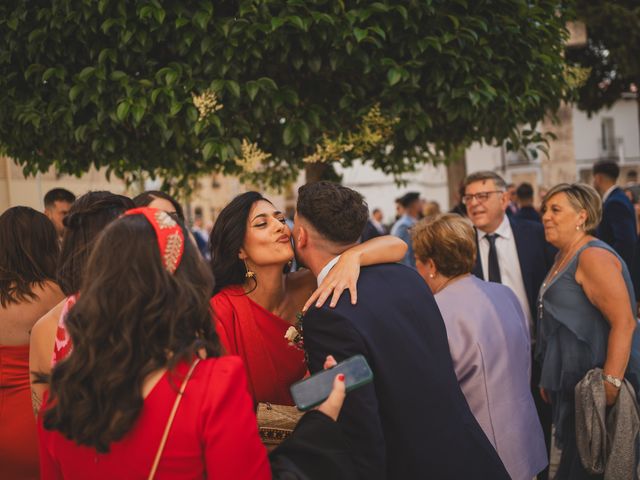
(616, 382)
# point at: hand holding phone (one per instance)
(315, 389)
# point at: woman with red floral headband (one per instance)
(144, 393)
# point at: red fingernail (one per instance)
(341, 377)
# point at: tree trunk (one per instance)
(314, 172)
(456, 173)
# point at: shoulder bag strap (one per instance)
(172, 415)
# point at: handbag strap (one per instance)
(165, 434)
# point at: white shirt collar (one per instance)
(327, 268)
(608, 192)
(503, 230)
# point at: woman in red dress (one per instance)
(255, 302)
(88, 217)
(28, 252)
(143, 393)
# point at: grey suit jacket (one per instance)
(489, 342)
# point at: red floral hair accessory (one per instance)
(169, 233)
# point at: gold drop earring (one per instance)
(250, 273)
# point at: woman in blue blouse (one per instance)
(586, 314)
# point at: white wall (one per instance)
(587, 131)
(380, 191)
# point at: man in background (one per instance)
(512, 205)
(374, 227)
(57, 203)
(618, 224)
(412, 207)
(513, 252)
(526, 210)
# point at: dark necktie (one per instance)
(494, 266)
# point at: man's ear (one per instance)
(302, 237)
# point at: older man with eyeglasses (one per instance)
(512, 252)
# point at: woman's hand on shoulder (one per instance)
(343, 276)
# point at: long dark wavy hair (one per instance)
(88, 217)
(145, 198)
(28, 254)
(227, 238)
(132, 318)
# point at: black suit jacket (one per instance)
(618, 225)
(535, 256)
(528, 213)
(369, 232)
(413, 421)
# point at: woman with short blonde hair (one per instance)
(488, 338)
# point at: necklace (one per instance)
(449, 280)
(552, 274)
(559, 265)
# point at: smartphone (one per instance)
(314, 390)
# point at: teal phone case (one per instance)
(314, 390)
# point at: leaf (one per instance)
(175, 108)
(360, 34)
(31, 69)
(86, 72)
(302, 131)
(277, 22)
(159, 14)
(155, 93)
(74, 92)
(267, 84)
(171, 77)
(252, 89)
(208, 150)
(201, 19)
(288, 136)
(181, 22)
(117, 75)
(394, 75)
(217, 85)
(233, 88)
(192, 114)
(138, 112)
(296, 22)
(48, 73)
(123, 110)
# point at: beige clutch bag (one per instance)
(276, 422)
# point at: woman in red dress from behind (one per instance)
(28, 252)
(141, 332)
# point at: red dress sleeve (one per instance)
(232, 446)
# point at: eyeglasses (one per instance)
(481, 197)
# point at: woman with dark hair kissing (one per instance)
(256, 301)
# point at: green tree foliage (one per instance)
(112, 82)
(612, 52)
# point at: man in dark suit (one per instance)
(526, 210)
(374, 227)
(512, 252)
(618, 224)
(413, 420)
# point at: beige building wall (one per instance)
(15, 189)
(560, 165)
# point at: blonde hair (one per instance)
(581, 197)
(449, 240)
